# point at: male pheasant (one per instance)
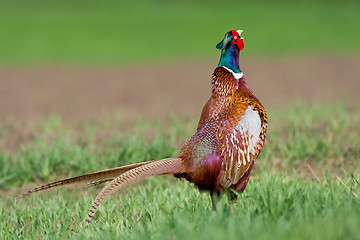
(220, 155)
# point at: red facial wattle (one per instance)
(237, 39)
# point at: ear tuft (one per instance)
(219, 45)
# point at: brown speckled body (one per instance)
(204, 152)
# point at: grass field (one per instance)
(305, 185)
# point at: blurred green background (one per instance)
(108, 32)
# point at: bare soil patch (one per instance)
(83, 93)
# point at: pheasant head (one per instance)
(230, 47)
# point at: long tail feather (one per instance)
(158, 167)
(97, 182)
(93, 178)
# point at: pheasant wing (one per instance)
(239, 141)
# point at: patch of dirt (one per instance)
(85, 93)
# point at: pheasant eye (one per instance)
(235, 37)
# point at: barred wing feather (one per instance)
(239, 147)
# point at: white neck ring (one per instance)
(236, 75)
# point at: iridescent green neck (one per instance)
(230, 58)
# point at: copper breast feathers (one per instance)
(241, 125)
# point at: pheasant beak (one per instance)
(239, 32)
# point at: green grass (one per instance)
(273, 206)
(305, 184)
(38, 32)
